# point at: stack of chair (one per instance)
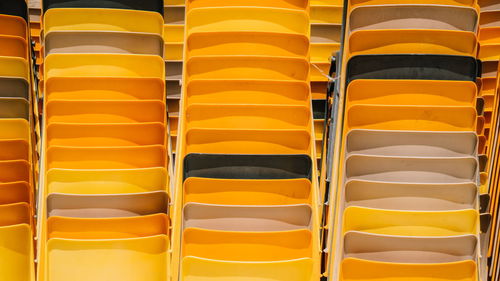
(408, 175)
(104, 196)
(246, 205)
(35, 25)
(174, 47)
(16, 145)
(489, 54)
(326, 26)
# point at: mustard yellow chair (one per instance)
(196, 269)
(16, 253)
(107, 228)
(120, 181)
(252, 116)
(361, 270)
(132, 259)
(131, 134)
(412, 92)
(105, 112)
(15, 129)
(326, 14)
(289, 4)
(131, 157)
(199, 140)
(247, 192)
(251, 92)
(247, 246)
(76, 19)
(410, 196)
(407, 249)
(104, 88)
(14, 67)
(411, 223)
(247, 218)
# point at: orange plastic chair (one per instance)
(15, 192)
(14, 149)
(13, 26)
(13, 46)
(15, 213)
(15, 170)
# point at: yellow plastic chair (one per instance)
(415, 16)
(326, 14)
(248, 92)
(406, 249)
(13, 46)
(411, 169)
(15, 192)
(173, 51)
(412, 92)
(14, 67)
(106, 181)
(105, 112)
(246, 19)
(247, 192)
(322, 52)
(104, 88)
(489, 35)
(14, 108)
(411, 143)
(361, 270)
(236, 141)
(247, 218)
(439, 42)
(417, 118)
(15, 170)
(198, 269)
(131, 157)
(15, 214)
(252, 116)
(132, 134)
(107, 228)
(248, 68)
(488, 52)
(107, 206)
(133, 259)
(247, 246)
(104, 42)
(76, 19)
(288, 4)
(16, 253)
(13, 26)
(320, 71)
(410, 196)
(247, 43)
(103, 65)
(14, 129)
(14, 149)
(411, 223)
(173, 33)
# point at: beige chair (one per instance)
(411, 143)
(247, 218)
(410, 196)
(12, 87)
(14, 108)
(107, 206)
(103, 42)
(407, 249)
(413, 17)
(411, 170)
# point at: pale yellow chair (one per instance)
(16, 253)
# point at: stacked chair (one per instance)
(17, 155)
(406, 164)
(174, 48)
(246, 201)
(35, 24)
(104, 196)
(489, 53)
(326, 25)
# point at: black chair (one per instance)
(17, 8)
(422, 67)
(319, 109)
(245, 166)
(145, 5)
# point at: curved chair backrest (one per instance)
(11, 87)
(13, 26)
(103, 42)
(14, 67)
(410, 196)
(106, 181)
(14, 192)
(401, 249)
(16, 252)
(107, 206)
(247, 218)
(15, 129)
(145, 5)
(15, 213)
(15, 170)
(14, 108)
(289, 4)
